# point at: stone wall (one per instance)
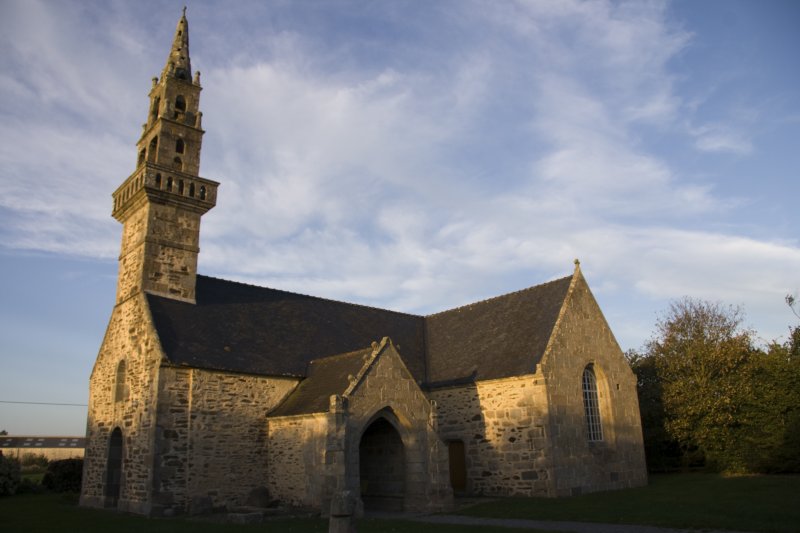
(129, 338)
(313, 456)
(211, 438)
(131, 258)
(582, 338)
(296, 465)
(503, 425)
(388, 390)
(159, 251)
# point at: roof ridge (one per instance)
(363, 306)
(342, 355)
(493, 298)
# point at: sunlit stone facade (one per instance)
(209, 394)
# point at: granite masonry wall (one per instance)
(503, 425)
(296, 465)
(388, 390)
(160, 244)
(312, 456)
(129, 407)
(211, 438)
(617, 461)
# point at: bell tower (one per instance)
(161, 203)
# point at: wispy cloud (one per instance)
(469, 149)
(719, 138)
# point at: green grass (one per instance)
(33, 477)
(744, 503)
(747, 503)
(46, 513)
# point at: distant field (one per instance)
(744, 503)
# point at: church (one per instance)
(209, 394)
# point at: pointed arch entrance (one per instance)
(382, 467)
(113, 468)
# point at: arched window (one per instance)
(158, 181)
(202, 192)
(156, 105)
(169, 184)
(591, 405)
(191, 190)
(179, 146)
(119, 382)
(151, 151)
(180, 187)
(180, 106)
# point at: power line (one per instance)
(47, 403)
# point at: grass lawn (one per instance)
(46, 513)
(748, 503)
(745, 503)
(33, 477)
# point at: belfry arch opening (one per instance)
(382, 467)
(114, 468)
(180, 106)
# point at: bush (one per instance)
(64, 475)
(28, 486)
(33, 463)
(9, 475)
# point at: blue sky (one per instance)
(410, 155)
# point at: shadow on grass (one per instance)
(744, 503)
(45, 513)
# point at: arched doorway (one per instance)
(114, 468)
(382, 467)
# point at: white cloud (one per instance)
(718, 138)
(519, 136)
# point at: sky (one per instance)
(409, 155)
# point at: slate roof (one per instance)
(326, 377)
(42, 442)
(242, 328)
(495, 338)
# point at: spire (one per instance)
(178, 62)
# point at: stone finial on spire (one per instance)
(178, 62)
(577, 264)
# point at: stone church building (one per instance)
(210, 394)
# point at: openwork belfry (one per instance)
(210, 394)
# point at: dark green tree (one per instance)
(662, 451)
(704, 386)
(702, 355)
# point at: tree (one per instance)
(9, 475)
(791, 301)
(705, 386)
(702, 357)
(3, 432)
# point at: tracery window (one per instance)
(591, 405)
